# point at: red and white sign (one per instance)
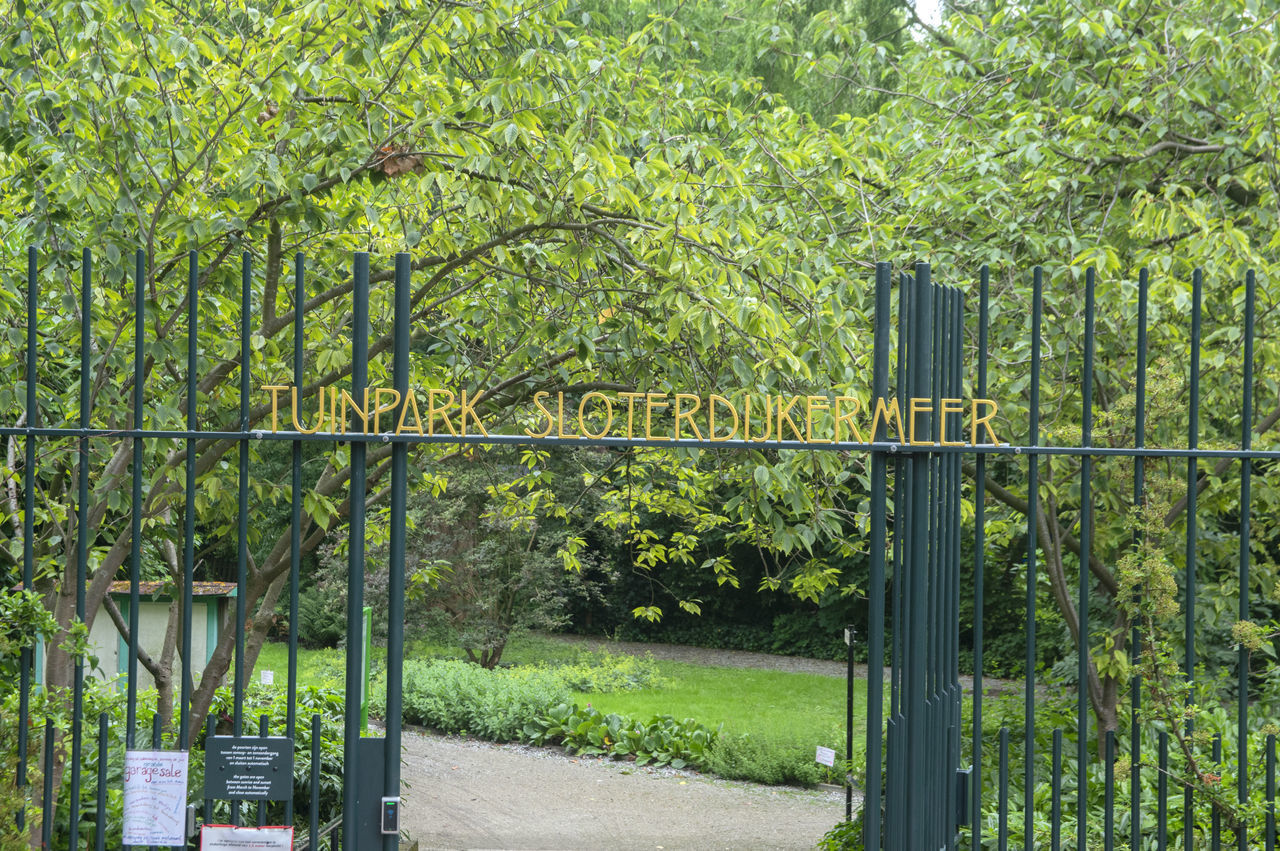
(224, 837)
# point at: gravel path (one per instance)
(466, 794)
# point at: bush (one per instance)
(601, 673)
(761, 760)
(662, 740)
(845, 836)
(459, 697)
(321, 623)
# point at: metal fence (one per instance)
(927, 743)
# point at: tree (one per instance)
(1116, 137)
(582, 212)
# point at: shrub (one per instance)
(845, 836)
(763, 760)
(321, 623)
(601, 673)
(662, 740)
(459, 697)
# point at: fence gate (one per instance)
(140, 457)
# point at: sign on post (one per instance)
(249, 768)
(224, 837)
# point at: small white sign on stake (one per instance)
(826, 756)
(155, 798)
(268, 677)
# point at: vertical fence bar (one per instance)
(262, 805)
(1215, 836)
(1193, 442)
(189, 511)
(135, 512)
(46, 799)
(1246, 476)
(1002, 803)
(26, 658)
(979, 562)
(1271, 791)
(1033, 501)
(100, 834)
(156, 737)
(1086, 539)
(876, 590)
(355, 555)
(395, 590)
(931, 584)
(210, 728)
(295, 513)
(1055, 784)
(82, 535)
(313, 813)
(242, 513)
(1109, 801)
(957, 495)
(895, 746)
(1139, 496)
(916, 562)
(1162, 793)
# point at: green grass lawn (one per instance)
(804, 708)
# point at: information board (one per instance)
(249, 768)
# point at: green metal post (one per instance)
(399, 502)
(135, 512)
(82, 532)
(979, 561)
(313, 819)
(1109, 797)
(1033, 501)
(1139, 495)
(26, 660)
(100, 797)
(916, 563)
(875, 628)
(1162, 792)
(295, 513)
(1055, 783)
(242, 513)
(355, 555)
(1193, 442)
(189, 510)
(1086, 537)
(1002, 784)
(1246, 475)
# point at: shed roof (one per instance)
(198, 589)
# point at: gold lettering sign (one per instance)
(714, 418)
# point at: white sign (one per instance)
(826, 756)
(268, 677)
(224, 837)
(155, 798)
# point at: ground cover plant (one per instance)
(754, 725)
